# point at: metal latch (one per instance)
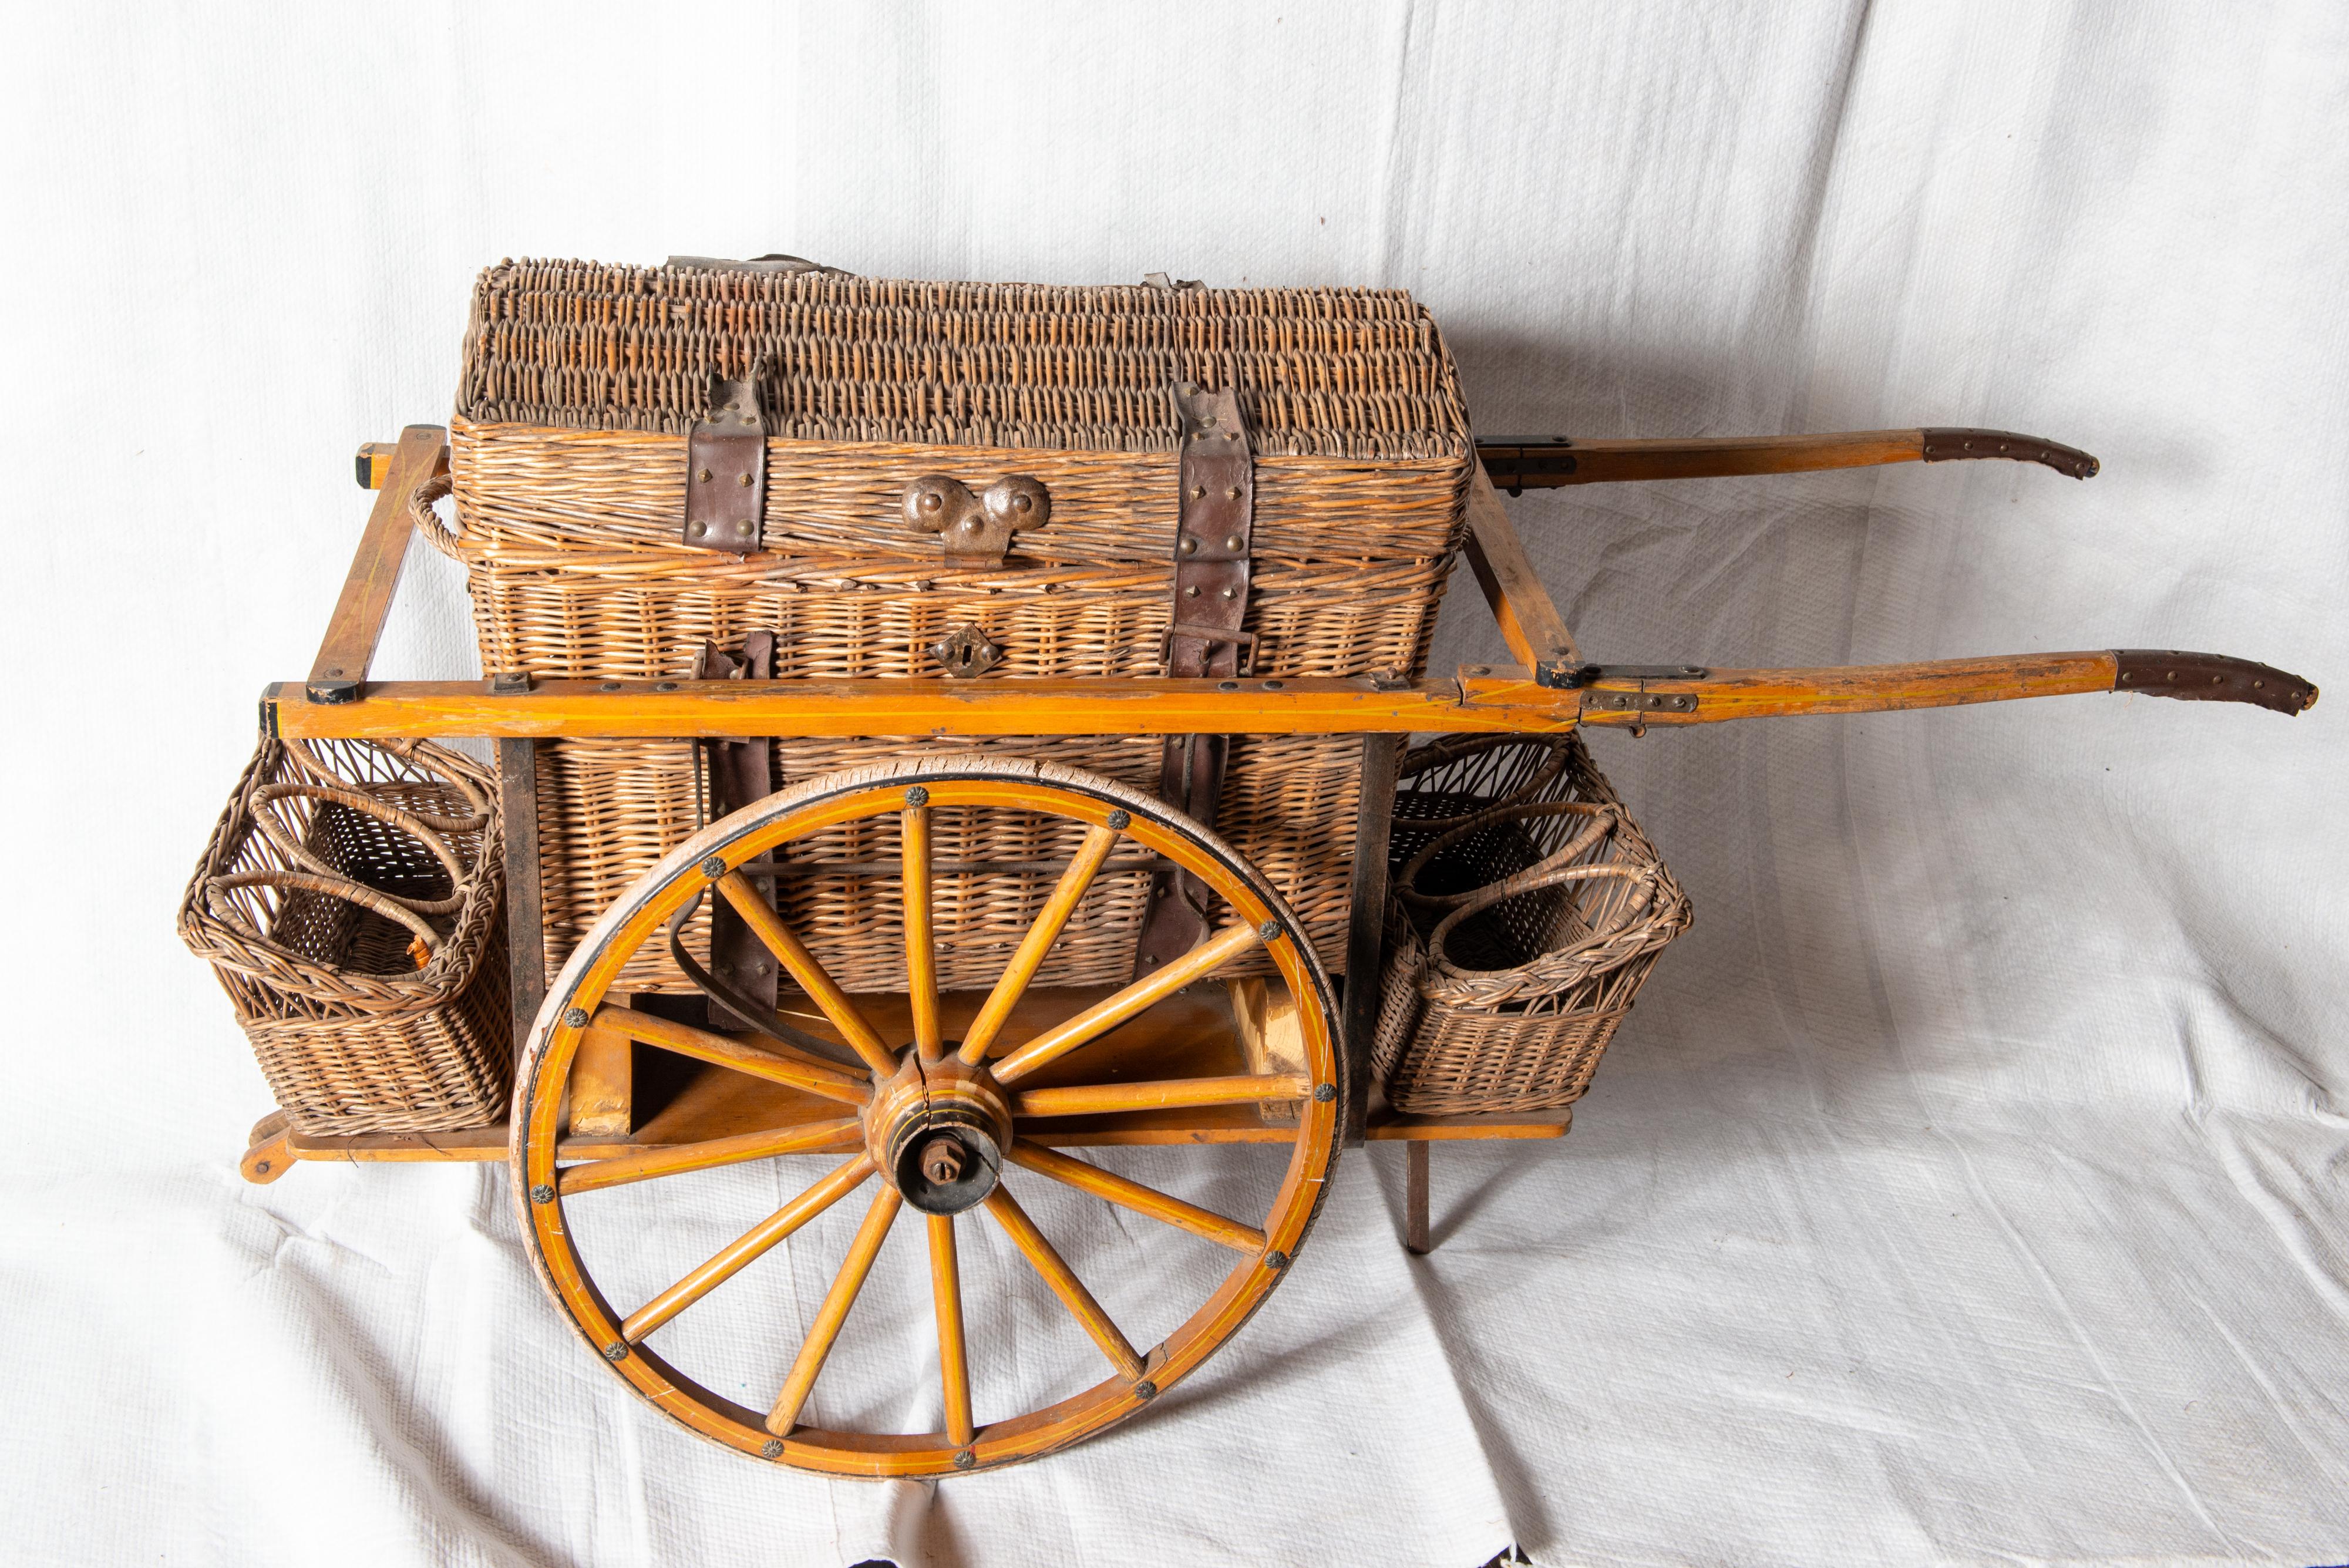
(976, 530)
(966, 651)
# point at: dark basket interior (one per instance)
(336, 933)
(1453, 783)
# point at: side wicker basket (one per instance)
(349, 902)
(1528, 909)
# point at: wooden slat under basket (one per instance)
(349, 902)
(1529, 907)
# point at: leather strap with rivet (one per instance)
(740, 773)
(1213, 536)
(726, 470)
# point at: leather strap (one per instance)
(726, 470)
(740, 773)
(1213, 540)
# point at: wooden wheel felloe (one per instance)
(949, 1108)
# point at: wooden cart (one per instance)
(914, 1097)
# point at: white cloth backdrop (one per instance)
(1970, 1183)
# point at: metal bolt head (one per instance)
(918, 795)
(1189, 546)
(542, 1193)
(1192, 592)
(1231, 541)
(704, 477)
(742, 529)
(932, 501)
(1276, 1259)
(942, 1161)
(1023, 503)
(575, 1018)
(260, 1167)
(963, 1458)
(1119, 821)
(1269, 930)
(1198, 492)
(714, 867)
(699, 529)
(744, 479)
(1231, 592)
(772, 1448)
(1145, 1389)
(618, 1349)
(1325, 1093)
(1233, 493)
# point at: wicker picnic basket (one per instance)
(585, 385)
(1528, 909)
(349, 902)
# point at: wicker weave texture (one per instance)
(1529, 908)
(568, 465)
(1325, 372)
(351, 1033)
(609, 809)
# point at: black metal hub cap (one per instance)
(946, 1162)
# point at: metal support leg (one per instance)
(1366, 935)
(1414, 1198)
(525, 930)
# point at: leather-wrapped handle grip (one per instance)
(1956, 446)
(2210, 678)
(1635, 695)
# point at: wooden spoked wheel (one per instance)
(947, 1129)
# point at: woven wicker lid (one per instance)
(1358, 374)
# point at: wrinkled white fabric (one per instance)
(1969, 1184)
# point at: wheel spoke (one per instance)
(760, 916)
(1134, 1195)
(1064, 1282)
(953, 1355)
(1166, 1093)
(921, 947)
(1107, 1014)
(834, 1311)
(730, 1259)
(684, 1039)
(807, 1138)
(1038, 942)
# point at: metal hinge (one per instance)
(1639, 698)
(1565, 677)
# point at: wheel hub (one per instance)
(937, 1131)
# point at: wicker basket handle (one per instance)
(1644, 876)
(407, 822)
(405, 750)
(426, 521)
(390, 908)
(1602, 822)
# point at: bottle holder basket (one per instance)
(1528, 909)
(349, 902)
